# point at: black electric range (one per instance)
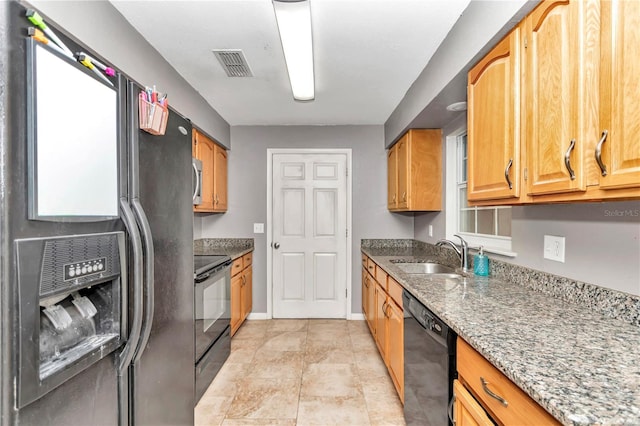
(206, 263)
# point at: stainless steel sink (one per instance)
(433, 269)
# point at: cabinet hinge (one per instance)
(346, 233)
(525, 42)
(347, 172)
(346, 294)
(525, 173)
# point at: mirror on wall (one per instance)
(73, 141)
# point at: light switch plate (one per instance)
(431, 230)
(258, 228)
(554, 248)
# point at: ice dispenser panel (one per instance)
(70, 307)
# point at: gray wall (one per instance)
(601, 247)
(480, 27)
(98, 25)
(248, 192)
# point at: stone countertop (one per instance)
(232, 247)
(580, 366)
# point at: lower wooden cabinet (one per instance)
(382, 306)
(395, 345)
(504, 402)
(368, 299)
(241, 291)
(381, 320)
(466, 410)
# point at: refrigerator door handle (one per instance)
(148, 281)
(136, 322)
(125, 357)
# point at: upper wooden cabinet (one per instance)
(557, 99)
(214, 173)
(220, 180)
(619, 96)
(414, 167)
(494, 123)
(561, 86)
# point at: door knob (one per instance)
(276, 246)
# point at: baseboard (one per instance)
(265, 316)
(258, 316)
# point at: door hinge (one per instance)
(525, 173)
(346, 294)
(525, 42)
(346, 233)
(347, 171)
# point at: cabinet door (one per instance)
(392, 178)
(466, 411)
(620, 94)
(247, 292)
(371, 305)
(365, 292)
(220, 180)
(381, 320)
(404, 161)
(236, 302)
(494, 123)
(395, 354)
(205, 152)
(561, 81)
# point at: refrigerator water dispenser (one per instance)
(70, 296)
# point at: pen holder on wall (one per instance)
(153, 116)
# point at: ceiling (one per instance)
(367, 53)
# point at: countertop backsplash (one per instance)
(608, 302)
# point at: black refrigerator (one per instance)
(96, 240)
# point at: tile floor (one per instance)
(301, 372)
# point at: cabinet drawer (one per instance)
(381, 277)
(236, 266)
(247, 259)
(395, 291)
(473, 368)
(371, 267)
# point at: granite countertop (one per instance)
(579, 365)
(232, 247)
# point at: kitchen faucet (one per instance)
(462, 252)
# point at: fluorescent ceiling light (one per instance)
(294, 24)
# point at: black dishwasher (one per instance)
(429, 365)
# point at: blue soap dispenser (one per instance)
(481, 264)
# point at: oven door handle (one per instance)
(202, 277)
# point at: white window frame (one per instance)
(493, 244)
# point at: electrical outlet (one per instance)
(554, 248)
(258, 228)
(431, 230)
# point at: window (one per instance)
(479, 226)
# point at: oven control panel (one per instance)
(81, 269)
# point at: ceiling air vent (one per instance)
(233, 62)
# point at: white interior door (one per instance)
(309, 249)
